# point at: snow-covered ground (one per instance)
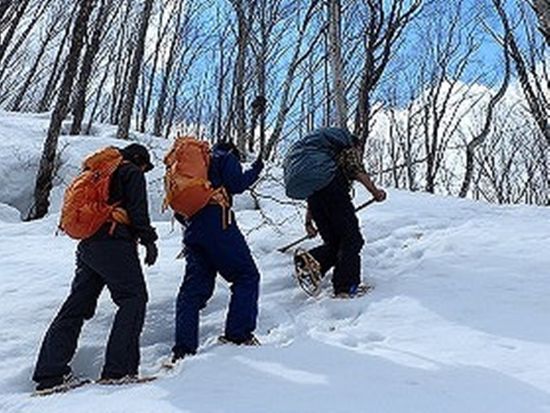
(458, 321)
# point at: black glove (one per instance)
(259, 104)
(151, 253)
(258, 164)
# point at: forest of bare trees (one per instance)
(447, 97)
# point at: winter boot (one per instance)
(355, 291)
(307, 272)
(252, 341)
(59, 384)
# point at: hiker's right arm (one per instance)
(234, 179)
(378, 194)
(351, 162)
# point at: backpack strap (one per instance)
(118, 216)
(221, 197)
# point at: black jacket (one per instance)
(128, 188)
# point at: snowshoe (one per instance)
(307, 272)
(355, 292)
(66, 383)
(128, 379)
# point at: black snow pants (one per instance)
(334, 214)
(115, 264)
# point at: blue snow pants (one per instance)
(210, 249)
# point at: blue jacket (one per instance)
(225, 170)
(310, 164)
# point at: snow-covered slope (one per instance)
(457, 322)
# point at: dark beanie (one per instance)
(228, 147)
(138, 155)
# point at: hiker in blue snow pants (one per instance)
(214, 244)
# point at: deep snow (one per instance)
(458, 321)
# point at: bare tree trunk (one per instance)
(4, 6)
(22, 7)
(51, 87)
(47, 162)
(121, 85)
(326, 84)
(158, 123)
(79, 103)
(310, 119)
(222, 73)
(161, 102)
(542, 9)
(36, 16)
(381, 33)
(295, 62)
(100, 89)
(538, 104)
(260, 46)
(50, 35)
(148, 91)
(45, 101)
(480, 138)
(239, 79)
(174, 104)
(121, 64)
(262, 80)
(128, 106)
(336, 64)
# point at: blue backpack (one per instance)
(310, 164)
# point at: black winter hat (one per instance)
(138, 155)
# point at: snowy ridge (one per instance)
(457, 322)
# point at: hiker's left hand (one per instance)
(258, 164)
(151, 254)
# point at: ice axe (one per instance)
(305, 237)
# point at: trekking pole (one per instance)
(305, 237)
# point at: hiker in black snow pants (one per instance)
(321, 168)
(108, 258)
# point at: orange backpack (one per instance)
(86, 203)
(186, 183)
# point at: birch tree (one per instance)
(336, 64)
(135, 70)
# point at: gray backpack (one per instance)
(310, 164)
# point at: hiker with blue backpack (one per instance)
(200, 185)
(320, 168)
